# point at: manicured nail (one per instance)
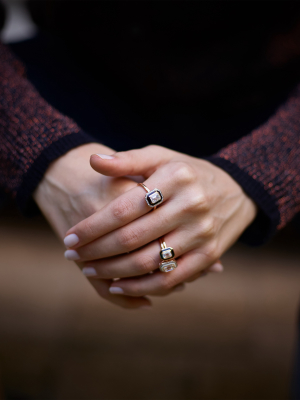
(146, 307)
(89, 271)
(116, 290)
(71, 240)
(71, 255)
(105, 156)
(178, 288)
(217, 267)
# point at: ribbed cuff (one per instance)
(264, 226)
(36, 172)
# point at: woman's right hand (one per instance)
(204, 212)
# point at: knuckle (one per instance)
(153, 147)
(208, 228)
(122, 209)
(146, 263)
(128, 238)
(196, 202)
(211, 251)
(203, 202)
(183, 173)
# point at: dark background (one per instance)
(229, 336)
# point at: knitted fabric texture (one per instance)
(266, 162)
(28, 126)
(270, 155)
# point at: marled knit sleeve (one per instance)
(266, 163)
(32, 133)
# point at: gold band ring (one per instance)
(153, 197)
(167, 254)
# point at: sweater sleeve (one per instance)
(266, 163)
(32, 133)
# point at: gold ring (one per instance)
(167, 254)
(153, 197)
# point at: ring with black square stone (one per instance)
(154, 198)
(167, 253)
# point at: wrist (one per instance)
(65, 192)
(77, 160)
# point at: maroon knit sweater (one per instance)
(30, 130)
(32, 134)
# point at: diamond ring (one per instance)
(167, 254)
(153, 197)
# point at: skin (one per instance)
(71, 191)
(204, 212)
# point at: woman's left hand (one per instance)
(204, 212)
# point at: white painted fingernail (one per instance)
(116, 290)
(71, 255)
(89, 271)
(217, 267)
(105, 156)
(71, 240)
(178, 288)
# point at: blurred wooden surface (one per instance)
(229, 336)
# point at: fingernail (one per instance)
(178, 288)
(105, 156)
(89, 271)
(71, 255)
(116, 290)
(71, 240)
(146, 307)
(217, 267)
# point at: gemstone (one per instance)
(168, 266)
(154, 197)
(167, 253)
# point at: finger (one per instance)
(163, 292)
(126, 208)
(133, 162)
(134, 236)
(139, 262)
(102, 288)
(217, 267)
(188, 265)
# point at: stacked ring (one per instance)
(167, 254)
(153, 197)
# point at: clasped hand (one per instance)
(204, 212)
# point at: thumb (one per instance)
(133, 162)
